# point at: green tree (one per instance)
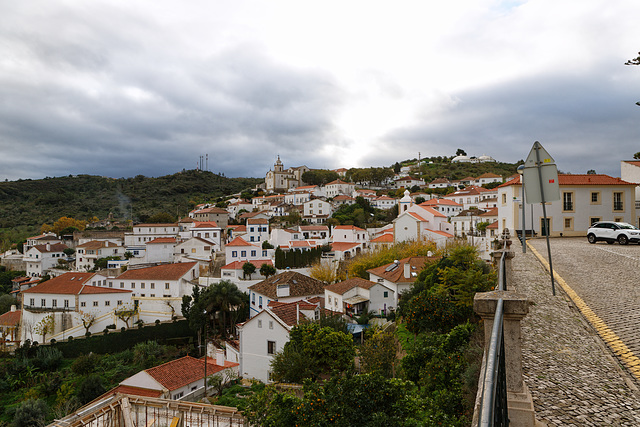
(90, 388)
(31, 413)
(637, 155)
(460, 152)
(161, 218)
(267, 270)
(248, 269)
(312, 352)
(6, 301)
(378, 354)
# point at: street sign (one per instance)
(540, 172)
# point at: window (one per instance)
(504, 199)
(234, 254)
(259, 323)
(122, 284)
(593, 220)
(595, 197)
(329, 299)
(107, 303)
(66, 303)
(567, 201)
(260, 302)
(133, 285)
(119, 302)
(243, 254)
(253, 253)
(618, 201)
(271, 347)
(618, 219)
(152, 285)
(178, 395)
(264, 253)
(166, 286)
(110, 284)
(32, 302)
(270, 324)
(43, 302)
(142, 285)
(385, 294)
(253, 298)
(54, 303)
(568, 223)
(95, 303)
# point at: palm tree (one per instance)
(225, 299)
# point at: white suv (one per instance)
(610, 232)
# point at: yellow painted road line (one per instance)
(631, 361)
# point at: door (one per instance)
(544, 226)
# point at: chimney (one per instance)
(407, 270)
(13, 308)
(297, 313)
(48, 247)
(220, 357)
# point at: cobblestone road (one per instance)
(573, 377)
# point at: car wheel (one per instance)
(591, 238)
(623, 240)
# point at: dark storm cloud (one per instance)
(134, 117)
(585, 122)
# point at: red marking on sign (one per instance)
(551, 181)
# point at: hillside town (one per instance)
(271, 247)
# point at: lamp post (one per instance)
(524, 228)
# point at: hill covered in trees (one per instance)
(26, 204)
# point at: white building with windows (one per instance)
(257, 230)
(584, 199)
(40, 258)
(143, 233)
(265, 334)
(241, 250)
(337, 187)
(209, 231)
(69, 298)
(159, 289)
(284, 287)
(87, 253)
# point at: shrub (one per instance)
(31, 413)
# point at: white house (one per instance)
(487, 178)
(408, 182)
(384, 202)
(257, 230)
(316, 207)
(235, 207)
(159, 289)
(283, 236)
(233, 271)
(209, 231)
(175, 379)
(466, 221)
(284, 287)
(398, 276)
(158, 250)
(630, 172)
(422, 223)
(295, 197)
(266, 333)
(143, 233)
(468, 197)
(584, 199)
(349, 234)
(209, 213)
(319, 233)
(69, 298)
(241, 250)
(40, 258)
(445, 206)
(440, 183)
(194, 249)
(350, 296)
(42, 239)
(337, 187)
(88, 253)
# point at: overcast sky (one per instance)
(121, 88)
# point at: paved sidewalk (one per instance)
(574, 379)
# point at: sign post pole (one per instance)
(542, 188)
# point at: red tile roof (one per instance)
(175, 224)
(239, 241)
(338, 181)
(257, 221)
(159, 272)
(97, 244)
(416, 216)
(385, 238)
(10, 318)
(299, 285)
(342, 287)
(442, 233)
(342, 246)
(314, 228)
(396, 275)
(348, 227)
(288, 312)
(206, 224)
(186, 370)
(490, 212)
(582, 179)
(159, 240)
(237, 265)
(56, 247)
(438, 202)
(71, 284)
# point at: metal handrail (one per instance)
(493, 406)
